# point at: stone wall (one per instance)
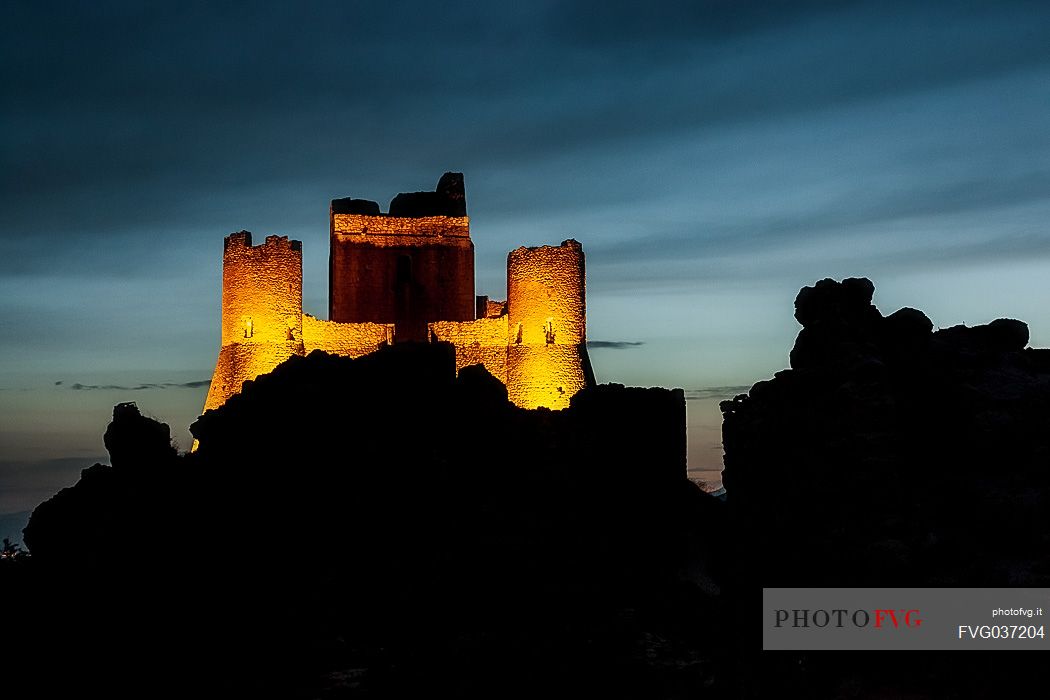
(240, 362)
(386, 230)
(349, 339)
(483, 342)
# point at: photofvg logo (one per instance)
(904, 618)
(840, 617)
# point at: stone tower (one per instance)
(547, 359)
(262, 311)
(409, 267)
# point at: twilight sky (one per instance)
(713, 157)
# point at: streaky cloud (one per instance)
(614, 344)
(77, 386)
(715, 392)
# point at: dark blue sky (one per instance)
(713, 157)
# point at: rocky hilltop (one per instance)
(889, 454)
(384, 527)
(893, 454)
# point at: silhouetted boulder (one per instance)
(134, 439)
(1001, 335)
(349, 205)
(837, 304)
(908, 326)
(449, 199)
(838, 323)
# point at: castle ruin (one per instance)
(407, 276)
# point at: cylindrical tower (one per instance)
(262, 311)
(262, 290)
(547, 356)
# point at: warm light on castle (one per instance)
(403, 276)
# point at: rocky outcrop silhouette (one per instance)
(893, 454)
(103, 514)
(448, 199)
(382, 527)
(384, 515)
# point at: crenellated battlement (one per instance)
(568, 244)
(243, 240)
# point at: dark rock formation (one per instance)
(888, 455)
(448, 199)
(133, 440)
(838, 323)
(382, 528)
(891, 454)
(383, 514)
(107, 512)
(349, 205)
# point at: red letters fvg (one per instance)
(908, 618)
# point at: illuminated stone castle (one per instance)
(407, 276)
